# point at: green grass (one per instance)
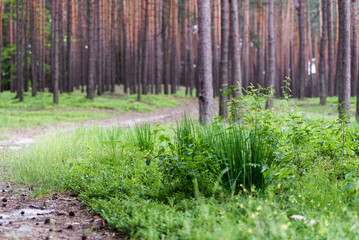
(2, 137)
(311, 107)
(170, 190)
(73, 107)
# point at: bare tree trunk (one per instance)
(26, 47)
(144, 63)
(19, 50)
(354, 48)
(271, 54)
(174, 49)
(323, 42)
(158, 50)
(344, 41)
(244, 53)
(55, 42)
(224, 59)
(34, 48)
(91, 80)
(165, 35)
(236, 80)
(1, 42)
(330, 50)
(70, 48)
(206, 113)
(302, 64)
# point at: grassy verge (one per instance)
(280, 175)
(73, 107)
(311, 107)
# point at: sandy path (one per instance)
(60, 216)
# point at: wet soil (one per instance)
(62, 216)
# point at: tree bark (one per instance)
(330, 50)
(91, 72)
(302, 64)
(55, 42)
(236, 80)
(206, 113)
(323, 42)
(354, 48)
(224, 59)
(344, 41)
(271, 54)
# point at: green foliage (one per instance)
(271, 174)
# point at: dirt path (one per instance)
(60, 216)
(19, 138)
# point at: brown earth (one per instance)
(61, 216)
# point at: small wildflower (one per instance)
(250, 231)
(259, 208)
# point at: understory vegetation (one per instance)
(261, 174)
(39, 111)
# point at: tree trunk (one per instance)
(165, 35)
(55, 42)
(323, 42)
(158, 50)
(354, 48)
(302, 71)
(344, 41)
(236, 80)
(19, 50)
(34, 48)
(70, 48)
(224, 59)
(91, 72)
(271, 55)
(330, 50)
(206, 113)
(174, 49)
(1, 42)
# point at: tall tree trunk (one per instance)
(174, 49)
(330, 50)
(244, 53)
(70, 48)
(165, 16)
(224, 59)
(236, 75)
(91, 69)
(158, 49)
(354, 49)
(206, 112)
(302, 71)
(34, 48)
(1, 42)
(344, 41)
(144, 62)
(19, 51)
(26, 47)
(271, 54)
(55, 57)
(323, 42)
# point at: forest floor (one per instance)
(62, 216)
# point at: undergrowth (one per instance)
(275, 174)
